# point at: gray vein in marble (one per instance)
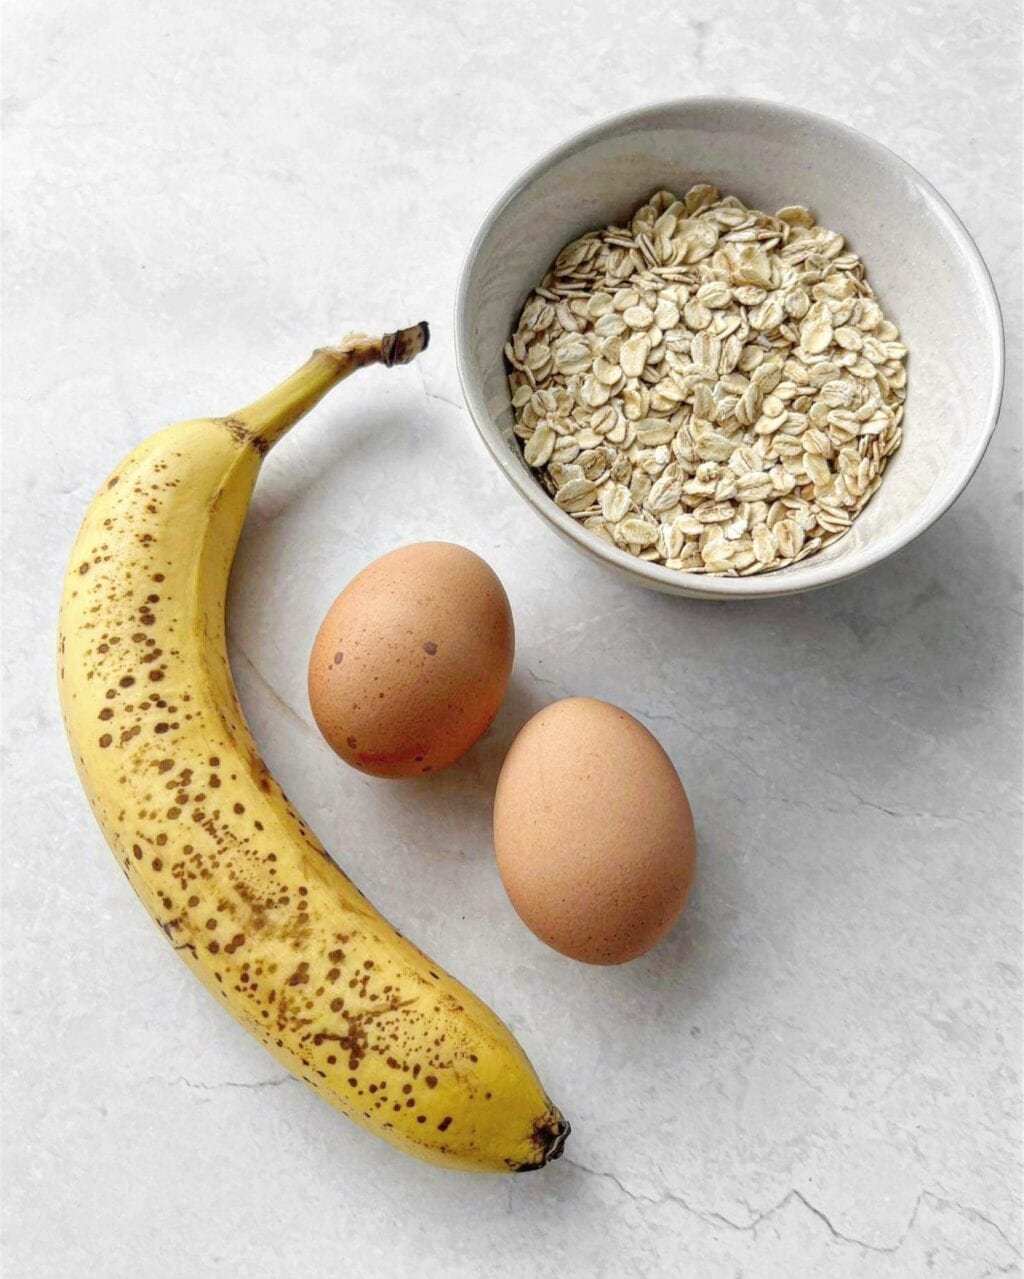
(437, 395)
(254, 1085)
(273, 694)
(797, 1196)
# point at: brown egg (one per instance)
(593, 832)
(412, 660)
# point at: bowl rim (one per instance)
(764, 585)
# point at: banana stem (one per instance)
(267, 419)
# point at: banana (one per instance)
(236, 880)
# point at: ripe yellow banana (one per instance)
(223, 863)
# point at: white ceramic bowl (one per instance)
(922, 263)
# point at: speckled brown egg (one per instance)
(412, 661)
(593, 832)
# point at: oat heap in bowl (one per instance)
(710, 387)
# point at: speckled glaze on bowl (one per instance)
(922, 264)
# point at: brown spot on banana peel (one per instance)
(239, 431)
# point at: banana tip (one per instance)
(549, 1138)
(406, 344)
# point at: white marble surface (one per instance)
(818, 1073)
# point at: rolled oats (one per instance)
(708, 387)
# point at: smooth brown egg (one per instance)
(593, 832)
(412, 661)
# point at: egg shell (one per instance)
(593, 832)
(412, 661)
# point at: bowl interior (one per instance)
(921, 263)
